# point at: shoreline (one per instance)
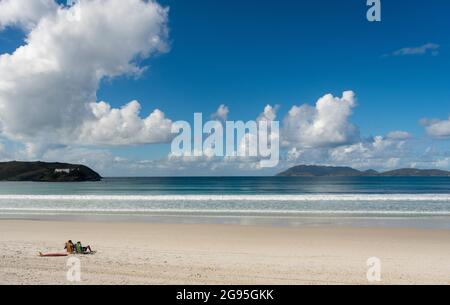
(338, 221)
(165, 253)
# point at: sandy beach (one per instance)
(143, 253)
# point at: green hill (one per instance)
(330, 171)
(46, 172)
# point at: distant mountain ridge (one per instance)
(336, 171)
(46, 172)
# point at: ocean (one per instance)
(287, 200)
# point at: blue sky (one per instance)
(248, 54)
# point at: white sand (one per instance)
(131, 253)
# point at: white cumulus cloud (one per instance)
(269, 114)
(221, 113)
(123, 126)
(437, 128)
(24, 13)
(325, 125)
(48, 86)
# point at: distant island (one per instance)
(331, 171)
(46, 172)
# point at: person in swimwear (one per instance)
(82, 250)
(70, 247)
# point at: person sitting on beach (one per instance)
(70, 247)
(82, 250)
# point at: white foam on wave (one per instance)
(259, 198)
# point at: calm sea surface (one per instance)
(256, 197)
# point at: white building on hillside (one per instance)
(63, 170)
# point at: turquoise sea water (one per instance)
(241, 196)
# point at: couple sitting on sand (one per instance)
(77, 248)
